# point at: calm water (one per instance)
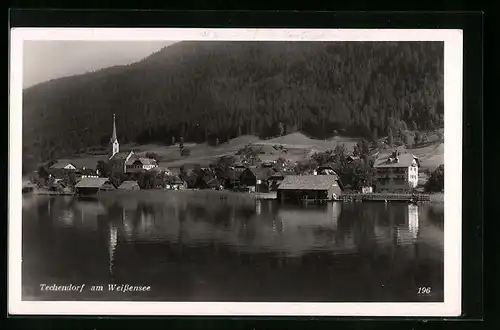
(195, 248)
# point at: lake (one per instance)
(190, 246)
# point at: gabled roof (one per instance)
(61, 164)
(261, 173)
(91, 182)
(122, 155)
(388, 160)
(282, 174)
(308, 182)
(146, 161)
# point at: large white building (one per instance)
(395, 171)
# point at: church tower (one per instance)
(114, 145)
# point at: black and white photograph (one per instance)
(235, 172)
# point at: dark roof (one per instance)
(308, 182)
(122, 155)
(388, 160)
(261, 173)
(91, 182)
(328, 165)
(282, 174)
(87, 171)
(128, 185)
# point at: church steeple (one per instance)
(113, 136)
(115, 146)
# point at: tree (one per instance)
(183, 173)
(281, 129)
(435, 183)
(153, 155)
(390, 138)
(103, 168)
(364, 147)
(417, 138)
(69, 178)
(404, 139)
(374, 134)
(440, 135)
(43, 175)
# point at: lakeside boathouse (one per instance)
(91, 186)
(297, 188)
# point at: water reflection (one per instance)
(182, 241)
(113, 241)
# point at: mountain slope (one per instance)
(202, 90)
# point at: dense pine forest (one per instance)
(203, 91)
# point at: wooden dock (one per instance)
(379, 197)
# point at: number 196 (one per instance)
(424, 290)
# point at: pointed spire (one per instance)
(113, 137)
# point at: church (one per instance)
(126, 161)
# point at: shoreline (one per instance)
(435, 198)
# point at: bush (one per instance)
(435, 183)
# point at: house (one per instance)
(175, 183)
(92, 186)
(129, 185)
(59, 169)
(86, 173)
(366, 189)
(269, 160)
(140, 164)
(326, 169)
(276, 178)
(256, 178)
(396, 171)
(295, 188)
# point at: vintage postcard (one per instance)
(274, 172)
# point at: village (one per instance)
(366, 174)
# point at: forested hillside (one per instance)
(207, 90)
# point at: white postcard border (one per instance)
(453, 75)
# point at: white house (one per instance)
(396, 171)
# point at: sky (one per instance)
(46, 60)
